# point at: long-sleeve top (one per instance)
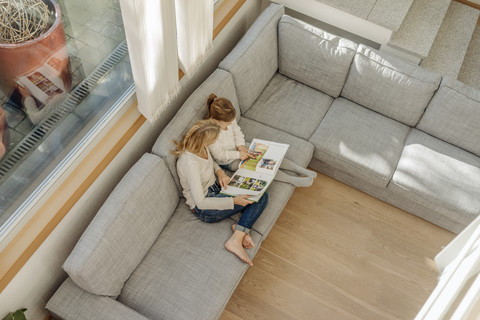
(224, 150)
(196, 175)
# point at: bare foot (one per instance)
(247, 241)
(234, 245)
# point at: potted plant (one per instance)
(33, 52)
(17, 315)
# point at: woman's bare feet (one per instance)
(247, 241)
(234, 245)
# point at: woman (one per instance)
(198, 175)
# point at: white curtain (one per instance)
(194, 32)
(150, 30)
(457, 294)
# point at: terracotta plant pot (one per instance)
(48, 50)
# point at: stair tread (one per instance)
(386, 13)
(359, 8)
(451, 44)
(419, 28)
(390, 13)
(470, 71)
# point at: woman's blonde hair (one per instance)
(220, 109)
(201, 134)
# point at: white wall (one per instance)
(36, 282)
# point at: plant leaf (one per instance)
(19, 314)
(8, 316)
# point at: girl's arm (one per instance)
(192, 173)
(221, 154)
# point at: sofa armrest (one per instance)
(254, 60)
(71, 302)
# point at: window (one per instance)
(110, 91)
(53, 103)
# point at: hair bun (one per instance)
(211, 98)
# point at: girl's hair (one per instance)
(220, 109)
(202, 133)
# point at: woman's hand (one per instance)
(242, 200)
(223, 179)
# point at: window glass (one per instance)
(58, 78)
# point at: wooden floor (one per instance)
(337, 253)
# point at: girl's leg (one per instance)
(292, 166)
(233, 166)
(296, 181)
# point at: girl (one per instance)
(198, 175)
(229, 149)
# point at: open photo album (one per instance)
(254, 175)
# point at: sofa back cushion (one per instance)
(453, 115)
(124, 228)
(313, 57)
(254, 60)
(389, 86)
(219, 82)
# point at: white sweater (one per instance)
(196, 175)
(224, 150)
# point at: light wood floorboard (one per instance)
(338, 253)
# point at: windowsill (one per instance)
(59, 201)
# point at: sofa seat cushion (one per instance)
(453, 115)
(314, 57)
(360, 142)
(440, 176)
(300, 150)
(290, 106)
(392, 87)
(124, 228)
(187, 274)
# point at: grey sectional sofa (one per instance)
(391, 129)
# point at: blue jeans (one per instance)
(250, 213)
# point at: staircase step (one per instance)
(419, 28)
(470, 71)
(385, 13)
(451, 44)
(390, 13)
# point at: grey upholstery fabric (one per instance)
(124, 228)
(453, 115)
(314, 57)
(71, 302)
(290, 106)
(360, 141)
(194, 109)
(254, 59)
(187, 274)
(390, 86)
(442, 219)
(300, 151)
(440, 176)
(279, 193)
